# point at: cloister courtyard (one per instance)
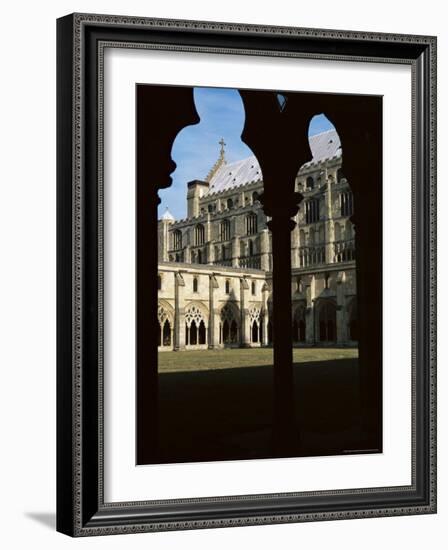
(218, 405)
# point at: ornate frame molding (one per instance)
(81, 508)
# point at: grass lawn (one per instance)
(218, 405)
(175, 361)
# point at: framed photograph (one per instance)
(246, 274)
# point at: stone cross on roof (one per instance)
(220, 162)
(223, 144)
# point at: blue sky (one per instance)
(196, 148)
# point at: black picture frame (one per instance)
(81, 509)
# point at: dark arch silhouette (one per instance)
(279, 140)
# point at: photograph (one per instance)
(217, 323)
(246, 274)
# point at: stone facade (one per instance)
(215, 266)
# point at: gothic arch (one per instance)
(230, 327)
(165, 317)
(199, 234)
(326, 320)
(256, 324)
(299, 323)
(196, 324)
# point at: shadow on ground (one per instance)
(48, 519)
(226, 414)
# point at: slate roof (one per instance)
(323, 146)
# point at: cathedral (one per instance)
(215, 266)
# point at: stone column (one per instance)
(264, 249)
(208, 229)
(235, 251)
(310, 293)
(265, 293)
(213, 320)
(329, 223)
(245, 320)
(179, 312)
(210, 253)
(295, 243)
(187, 254)
(341, 309)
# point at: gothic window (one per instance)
(298, 284)
(253, 288)
(229, 326)
(255, 324)
(309, 182)
(229, 203)
(166, 334)
(299, 326)
(327, 279)
(224, 230)
(254, 332)
(199, 234)
(165, 324)
(202, 333)
(195, 284)
(195, 328)
(312, 211)
(327, 321)
(255, 196)
(339, 175)
(177, 239)
(227, 286)
(251, 224)
(233, 332)
(199, 256)
(226, 332)
(346, 203)
(211, 207)
(251, 248)
(159, 282)
(193, 333)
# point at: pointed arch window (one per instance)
(177, 239)
(312, 211)
(224, 230)
(251, 224)
(327, 322)
(309, 182)
(199, 234)
(195, 284)
(346, 203)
